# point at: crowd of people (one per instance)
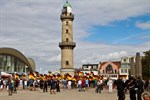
(135, 87)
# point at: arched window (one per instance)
(66, 30)
(67, 39)
(67, 62)
(115, 71)
(124, 60)
(109, 69)
(66, 22)
(103, 71)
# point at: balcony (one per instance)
(67, 16)
(67, 44)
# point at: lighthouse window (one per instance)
(66, 30)
(67, 62)
(66, 22)
(67, 39)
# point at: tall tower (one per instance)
(138, 65)
(67, 45)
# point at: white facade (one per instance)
(125, 67)
(88, 68)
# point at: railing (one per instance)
(70, 16)
(67, 44)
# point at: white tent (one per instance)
(4, 74)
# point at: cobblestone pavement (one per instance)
(73, 94)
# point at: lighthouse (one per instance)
(67, 45)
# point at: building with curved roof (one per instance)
(110, 69)
(12, 60)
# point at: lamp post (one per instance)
(40, 70)
(26, 69)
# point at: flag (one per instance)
(31, 76)
(69, 77)
(87, 75)
(16, 76)
(91, 73)
(59, 77)
(36, 73)
(81, 74)
(91, 78)
(41, 76)
(73, 79)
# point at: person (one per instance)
(131, 86)
(69, 84)
(64, 83)
(83, 84)
(35, 83)
(86, 83)
(1, 84)
(15, 86)
(140, 86)
(120, 89)
(146, 85)
(45, 86)
(79, 85)
(110, 84)
(95, 83)
(73, 85)
(99, 86)
(53, 85)
(20, 83)
(10, 87)
(41, 84)
(146, 96)
(25, 84)
(57, 85)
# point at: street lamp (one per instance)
(26, 69)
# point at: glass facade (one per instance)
(11, 64)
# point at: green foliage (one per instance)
(146, 65)
(49, 72)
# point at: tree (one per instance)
(146, 65)
(49, 72)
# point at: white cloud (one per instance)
(55, 58)
(143, 25)
(34, 26)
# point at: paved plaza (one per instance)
(73, 94)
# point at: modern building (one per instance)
(88, 68)
(67, 45)
(12, 60)
(110, 69)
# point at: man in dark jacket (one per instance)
(140, 86)
(131, 85)
(10, 88)
(45, 86)
(121, 89)
(53, 86)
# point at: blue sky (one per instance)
(103, 29)
(120, 32)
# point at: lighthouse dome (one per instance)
(67, 4)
